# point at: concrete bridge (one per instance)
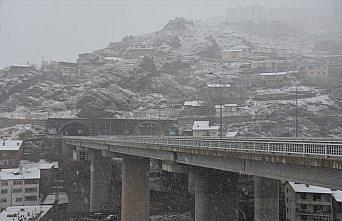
(213, 166)
(109, 126)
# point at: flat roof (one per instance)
(273, 74)
(232, 50)
(22, 65)
(214, 85)
(28, 212)
(194, 103)
(20, 174)
(10, 144)
(231, 134)
(225, 105)
(41, 164)
(203, 125)
(51, 198)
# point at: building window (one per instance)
(303, 206)
(17, 190)
(83, 155)
(31, 181)
(18, 199)
(4, 191)
(4, 183)
(30, 198)
(303, 196)
(31, 190)
(17, 182)
(3, 200)
(316, 197)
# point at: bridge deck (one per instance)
(304, 160)
(283, 146)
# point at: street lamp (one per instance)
(219, 79)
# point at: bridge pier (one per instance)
(100, 177)
(216, 196)
(135, 203)
(266, 199)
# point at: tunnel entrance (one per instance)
(148, 129)
(75, 128)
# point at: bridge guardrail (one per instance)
(311, 148)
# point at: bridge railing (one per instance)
(298, 147)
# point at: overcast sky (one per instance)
(60, 29)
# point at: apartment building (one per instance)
(19, 187)
(308, 203)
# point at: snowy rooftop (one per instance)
(41, 164)
(194, 103)
(17, 174)
(214, 85)
(232, 50)
(231, 134)
(273, 74)
(112, 58)
(16, 213)
(203, 125)
(51, 198)
(304, 188)
(337, 195)
(22, 65)
(10, 144)
(225, 105)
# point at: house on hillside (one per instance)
(204, 129)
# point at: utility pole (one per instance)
(296, 120)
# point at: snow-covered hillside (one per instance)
(165, 68)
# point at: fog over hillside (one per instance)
(59, 30)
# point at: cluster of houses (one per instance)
(28, 190)
(201, 108)
(325, 71)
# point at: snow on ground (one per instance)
(15, 131)
(26, 113)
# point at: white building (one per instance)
(203, 128)
(47, 173)
(19, 187)
(27, 213)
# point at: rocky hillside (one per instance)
(163, 69)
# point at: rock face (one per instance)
(163, 69)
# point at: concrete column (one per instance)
(92, 182)
(266, 199)
(135, 203)
(100, 178)
(216, 196)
